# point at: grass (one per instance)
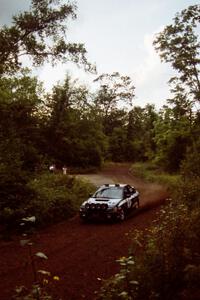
(151, 173)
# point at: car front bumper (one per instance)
(106, 215)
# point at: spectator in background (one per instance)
(52, 168)
(64, 170)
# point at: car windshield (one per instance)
(109, 192)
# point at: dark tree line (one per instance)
(76, 127)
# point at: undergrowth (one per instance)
(151, 173)
(54, 197)
(164, 260)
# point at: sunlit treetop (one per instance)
(179, 44)
(40, 34)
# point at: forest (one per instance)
(83, 128)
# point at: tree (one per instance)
(117, 149)
(65, 96)
(20, 98)
(150, 118)
(19, 139)
(172, 136)
(180, 102)
(179, 45)
(140, 133)
(40, 34)
(76, 138)
(115, 91)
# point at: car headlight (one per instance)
(87, 206)
(98, 206)
(92, 206)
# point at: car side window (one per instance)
(127, 191)
(131, 189)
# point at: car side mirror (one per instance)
(127, 195)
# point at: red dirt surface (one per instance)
(81, 255)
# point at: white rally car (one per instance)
(110, 201)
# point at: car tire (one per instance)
(122, 215)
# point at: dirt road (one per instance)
(80, 255)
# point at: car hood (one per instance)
(108, 201)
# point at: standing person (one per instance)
(52, 168)
(64, 170)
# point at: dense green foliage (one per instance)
(78, 128)
(179, 45)
(40, 34)
(81, 129)
(49, 198)
(164, 260)
(56, 197)
(76, 138)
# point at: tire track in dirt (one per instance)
(81, 255)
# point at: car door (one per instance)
(132, 196)
(127, 197)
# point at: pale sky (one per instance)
(118, 36)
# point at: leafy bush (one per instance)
(57, 197)
(189, 188)
(49, 197)
(14, 195)
(188, 192)
(164, 261)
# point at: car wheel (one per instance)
(122, 215)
